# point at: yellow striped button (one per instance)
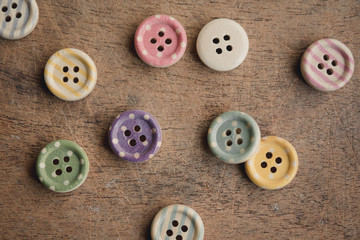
(274, 165)
(70, 74)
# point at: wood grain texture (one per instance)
(120, 199)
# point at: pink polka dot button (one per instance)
(327, 65)
(160, 41)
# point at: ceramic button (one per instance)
(233, 137)
(327, 65)
(70, 74)
(160, 41)
(135, 136)
(18, 18)
(274, 165)
(62, 166)
(178, 222)
(222, 44)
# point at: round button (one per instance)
(327, 65)
(135, 136)
(62, 166)
(18, 18)
(160, 41)
(70, 74)
(233, 137)
(222, 44)
(274, 165)
(178, 222)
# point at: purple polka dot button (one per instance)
(135, 136)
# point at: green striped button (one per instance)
(178, 222)
(234, 137)
(62, 166)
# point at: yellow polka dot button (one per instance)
(274, 165)
(70, 74)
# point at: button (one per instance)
(178, 222)
(135, 136)
(70, 74)
(160, 41)
(327, 65)
(62, 166)
(233, 137)
(274, 165)
(18, 18)
(222, 44)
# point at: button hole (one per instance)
(161, 34)
(175, 223)
(18, 15)
(228, 132)
(273, 169)
(218, 51)
(216, 40)
(76, 80)
(330, 71)
(229, 143)
(238, 130)
(153, 40)
(76, 69)
(65, 79)
(8, 19)
(4, 9)
(14, 5)
(239, 141)
(69, 169)
(326, 57)
(66, 159)
(334, 63)
(179, 237)
(321, 66)
(184, 228)
(226, 37)
(65, 69)
(56, 161)
(127, 133)
(137, 128)
(168, 41)
(132, 142)
(263, 164)
(58, 172)
(278, 160)
(160, 48)
(169, 233)
(142, 138)
(269, 155)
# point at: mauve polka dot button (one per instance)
(160, 41)
(18, 18)
(62, 166)
(135, 136)
(327, 65)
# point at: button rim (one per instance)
(196, 220)
(29, 25)
(269, 184)
(42, 158)
(227, 157)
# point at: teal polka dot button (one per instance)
(234, 137)
(62, 166)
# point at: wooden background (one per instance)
(120, 199)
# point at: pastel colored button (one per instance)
(178, 222)
(274, 165)
(222, 44)
(234, 137)
(135, 136)
(18, 18)
(160, 41)
(70, 74)
(62, 166)
(327, 65)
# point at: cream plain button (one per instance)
(222, 44)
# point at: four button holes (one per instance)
(68, 169)
(132, 142)
(239, 140)
(175, 224)
(161, 48)
(329, 71)
(269, 155)
(8, 17)
(217, 41)
(75, 69)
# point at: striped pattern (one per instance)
(184, 215)
(319, 78)
(18, 28)
(70, 90)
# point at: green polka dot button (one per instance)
(62, 166)
(234, 137)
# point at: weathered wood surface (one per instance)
(119, 199)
